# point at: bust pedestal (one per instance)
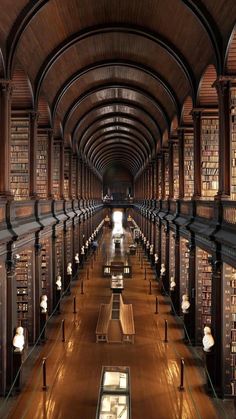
(82, 260)
(17, 361)
(43, 319)
(58, 296)
(67, 284)
(163, 284)
(209, 365)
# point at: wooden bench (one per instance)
(127, 321)
(103, 323)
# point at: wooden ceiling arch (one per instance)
(158, 39)
(108, 124)
(113, 156)
(116, 88)
(107, 164)
(119, 135)
(116, 139)
(120, 143)
(126, 149)
(117, 109)
(127, 65)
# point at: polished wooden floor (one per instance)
(74, 366)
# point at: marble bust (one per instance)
(44, 304)
(82, 250)
(77, 258)
(163, 269)
(156, 258)
(172, 283)
(19, 340)
(151, 249)
(69, 269)
(58, 283)
(185, 303)
(208, 340)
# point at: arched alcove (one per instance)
(22, 94)
(186, 116)
(44, 113)
(207, 94)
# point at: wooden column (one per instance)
(33, 154)
(223, 90)
(5, 118)
(197, 152)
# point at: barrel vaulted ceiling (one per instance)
(114, 73)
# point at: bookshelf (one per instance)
(24, 291)
(176, 170)
(68, 244)
(19, 158)
(157, 242)
(233, 143)
(209, 157)
(172, 254)
(188, 165)
(159, 179)
(56, 170)
(203, 292)
(76, 237)
(73, 177)
(163, 245)
(59, 253)
(42, 165)
(66, 173)
(184, 267)
(229, 329)
(167, 189)
(45, 267)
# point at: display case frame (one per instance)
(114, 394)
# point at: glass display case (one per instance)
(114, 396)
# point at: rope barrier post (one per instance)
(166, 331)
(63, 330)
(44, 365)
(145, 274)
(74, 304)
(181, 387)
(141, 264)
(82, 286)
(157, 306)
(150, 287)
(92, 264)
(88, 274)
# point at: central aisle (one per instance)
(74, 367)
